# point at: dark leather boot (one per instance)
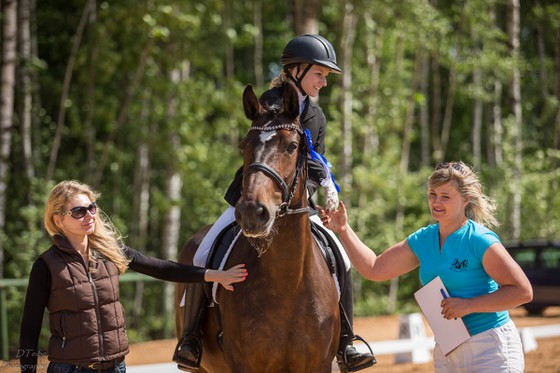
(348, 358)
(352, 360)
(188, 352)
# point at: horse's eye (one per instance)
(292, 147)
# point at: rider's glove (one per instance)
(331, 195)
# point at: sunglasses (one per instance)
(79, 212)
(456, 166)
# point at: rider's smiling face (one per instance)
(314, 80)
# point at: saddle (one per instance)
(329, 249)
(226, 238)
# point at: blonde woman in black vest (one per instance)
(77, 281)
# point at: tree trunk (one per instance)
(542, 57)
(304, 16)
(435, 130)
(477, 120)
(141, 200)
(497, 124)
(557, 90)
(409, 117)
(35, 91)
(57, 139)
(348, 36)
(403, 166)
(229, 52)
(371, 138)
(371, 142)
(451, 87)
(93, 61)
(257, 20)
(130, 92)
(424, 112)
(172, 218)
(448, 111)
(8, 77)
(515, 95)
(24, 87)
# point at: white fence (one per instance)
(416, 349)
(414, 346)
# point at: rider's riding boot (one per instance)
(188, 352)
(349, 359)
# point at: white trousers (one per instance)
(227, 218)
(203, 250)
(497, 350)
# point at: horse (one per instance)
(285, 316)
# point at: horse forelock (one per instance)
(274, 108)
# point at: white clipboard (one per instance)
(449, 334)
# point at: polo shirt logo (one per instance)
(459, 266)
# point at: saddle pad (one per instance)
(227, 233)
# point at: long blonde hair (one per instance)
(480, 207)
(105, 241)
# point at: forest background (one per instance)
(142, 100)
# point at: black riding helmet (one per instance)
(309, 49)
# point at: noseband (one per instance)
(287, 191)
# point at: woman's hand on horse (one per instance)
(227, 278)
(334, 220)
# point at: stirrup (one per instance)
(362, 366)
(182, 363)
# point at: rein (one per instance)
(287, 192)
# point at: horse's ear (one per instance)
(251, 103)
(291, 101)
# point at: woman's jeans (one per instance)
(69, 368)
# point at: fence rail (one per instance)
(529, 336)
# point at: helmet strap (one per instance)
(299, 78)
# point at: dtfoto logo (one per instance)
(459, 266)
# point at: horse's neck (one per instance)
(293, 241)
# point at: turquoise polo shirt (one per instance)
(459, 265)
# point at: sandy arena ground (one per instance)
(546, 359)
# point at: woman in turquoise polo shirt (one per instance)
(482, 279)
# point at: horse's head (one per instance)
(274, 164)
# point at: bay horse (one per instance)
(285, 316)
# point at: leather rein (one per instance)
(288, 191)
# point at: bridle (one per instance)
(288, 190)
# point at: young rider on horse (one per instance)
(307, 60)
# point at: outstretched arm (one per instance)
(395, 261)
(172, 271)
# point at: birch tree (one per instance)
(304, 15)
(515, 96)
(173, 186)
(24, 86)
(8, 75)
(348, 36)
(61, 118)
(258, 55)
